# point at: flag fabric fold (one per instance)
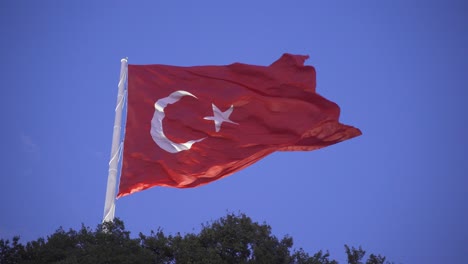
(189, 126)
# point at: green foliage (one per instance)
(355, 256)
(11, 253)
(230, 239)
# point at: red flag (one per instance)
(188, 126)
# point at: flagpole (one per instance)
(109, 205)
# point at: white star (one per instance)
(220, 117)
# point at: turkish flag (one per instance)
(188, 126)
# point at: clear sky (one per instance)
(398, 69)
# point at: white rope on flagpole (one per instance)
(109, 205)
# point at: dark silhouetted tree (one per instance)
(230, 239)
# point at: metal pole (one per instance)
(109, 205)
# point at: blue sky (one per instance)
(398, 69)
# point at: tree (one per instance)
(355, 256)
(10, 253)
(230, 239)
(233, 239)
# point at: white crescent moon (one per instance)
(157, 132)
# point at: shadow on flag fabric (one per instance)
(189, 126)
